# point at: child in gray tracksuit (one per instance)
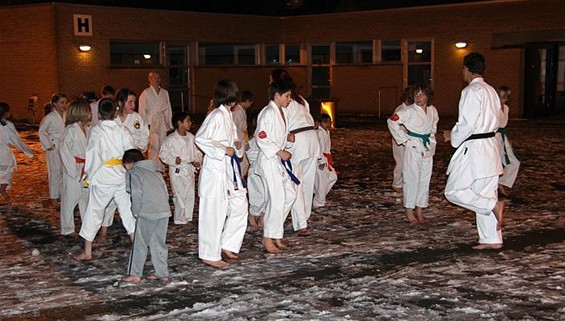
(150, 206)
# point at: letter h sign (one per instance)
(82, 24)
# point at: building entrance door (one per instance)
(179, 80)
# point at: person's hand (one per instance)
(237, 144)
(284, 155)
(230, 151)
(290, 137)
(196, 164)
(178, 160)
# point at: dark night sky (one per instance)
(257, 7)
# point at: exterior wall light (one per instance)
(84, 48)
(419, 50)
(460, 45)
(147, 56)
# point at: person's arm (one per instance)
(16, 140)
(134, 187)
(43, 132)
(263, 133)
(394, 126)
(166, 154)
(206, 134)
(67, 156)
(469, 111)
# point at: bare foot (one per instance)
(230, 254)
(420, 215)
(280, 244)
(252, 222)
(503, 190)
(302, 232)
(494, 246)
(83, 257)
(410, 216)
(498, 211)
(216, 264)
(131, 279)
(270, 246)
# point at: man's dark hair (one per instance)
(247, 96)
(107, 109)
(324, 117)
(107, 90)
(475, 62)
(132, 156)
(279, 87)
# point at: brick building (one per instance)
(362, 58)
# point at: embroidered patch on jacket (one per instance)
(262, 135)
(136, 124)
(394, 117)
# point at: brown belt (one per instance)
(303, 129)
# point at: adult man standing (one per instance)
(155, 108)
(475, 166)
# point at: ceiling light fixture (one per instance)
(460, 45)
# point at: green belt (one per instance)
(425, 137)
(503, 134)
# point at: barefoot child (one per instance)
(106, 143)
(51, 130)
(325, 175)
(72, 151)
(510, 161)
(150, 207)
(239, 112)
(407, 99)
(183, 157)
(272, 137)
(8, 136)
(419, 140)
(222, 213)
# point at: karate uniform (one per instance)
(510, 160)
(223, 203)
(418, 152)
(475, 166)
(138, 129)
(325, 178)
(106, 141)
(397, 154)
(255, 190)
(305, 153)
(51, 130)
(181, 175)
(155, 108)
(72, 151)
(9, 136)
(280, 193)
(240, 121)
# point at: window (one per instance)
(354, 52)
(419, 62)
(292, 53)
(391, 50)
(226, 54)
(134, 53)
(321, 73)
(272, 54)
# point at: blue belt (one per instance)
(235, 160)
(288, 166)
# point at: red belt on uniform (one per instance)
(79, 160)
(330, 159)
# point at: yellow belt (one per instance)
(112, 162)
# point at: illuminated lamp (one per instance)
(419, 50)
(147, 56)
(460, 45)
(84, 48)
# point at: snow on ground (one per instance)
(361, 261)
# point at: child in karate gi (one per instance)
(105, 145)
(150, 207)
(239, 112)
(9, 136)
(51, 130)
(407, 98)
(272, 137)
(254, 188)
(325, 175)
(420, 120)
(183, 157)
(223, 207)
(72, 151)
(510, 161)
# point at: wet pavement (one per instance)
(360, 261)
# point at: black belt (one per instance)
(480, 136)
(303, 129)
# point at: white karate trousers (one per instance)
(54, 173)
(221, 225)
(398, 155)
(280, 194)
(183, 196)
(416, 173)
(73, 194)
(305, 171)
(480, 197)
(325, 180)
